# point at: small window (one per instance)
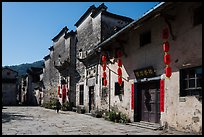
(81, 95)
(197, 16)
(145, 38)
(119, 89)
(191, 80)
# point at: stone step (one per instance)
(148, 125)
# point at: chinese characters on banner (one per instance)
(144, 73)
(132, 97)
(161, 95)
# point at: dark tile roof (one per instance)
(90, 9)
(47, 57)
(64, 30)
(10, 69)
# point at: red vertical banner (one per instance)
(63, 93)
(161, 95)
(58, 90)
(132, 97)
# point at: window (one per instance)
(191, 81)
(197, 16)
(81, 95)
(119, 89)
(145, 38)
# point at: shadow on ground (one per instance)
(7, 117)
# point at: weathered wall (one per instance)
(9, 87)
(9, 94)
(187, 48)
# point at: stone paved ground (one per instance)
(41, 121)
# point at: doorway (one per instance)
(147, 101)
(91, 98)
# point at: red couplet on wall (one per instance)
(63, 93)
(161, 95)
(58, 90)
(132, 97)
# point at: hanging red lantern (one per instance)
(104, 67)
(167, 59)
(119, 71)
(166, 46)
(168, 71)
(103, 58)
(104, 75)
(165, 33)
(119, 62)
(120, 80)
(105, 82)
(119, 53)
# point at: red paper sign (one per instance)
(161, 95)
(132, 97)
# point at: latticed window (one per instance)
(191, 81)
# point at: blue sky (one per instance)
(28, 27)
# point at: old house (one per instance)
(31, 87)
(94, 26)
(9, 86)
(152, 80)
(60, 67)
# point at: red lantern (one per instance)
(119, 62)
(165, 33)
(119, 53)
(104, 75)
(166, 46)
(167, 59)
(120, 80)
(105, 82)
(104, 67)
(119, 71)
(103, 58)
(168, 71)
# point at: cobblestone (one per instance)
(41, 121)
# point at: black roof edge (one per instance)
(84, 15)
(64, 30)
(46, 57)
(71, 33)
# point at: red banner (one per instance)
(132, 97)
(58, 90)
(161, 95)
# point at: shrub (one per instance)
(116, 117)
(66, 106)
(50, 104)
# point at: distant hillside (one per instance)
(22, 68)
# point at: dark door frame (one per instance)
(138, 100)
